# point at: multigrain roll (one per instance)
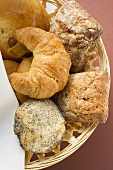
(85, 98)
(39, 125)
(79, 32)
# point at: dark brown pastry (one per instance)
(79, 32)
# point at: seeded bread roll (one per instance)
(39, 125)
(85, 98)
(79, 33)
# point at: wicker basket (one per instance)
(77, 135)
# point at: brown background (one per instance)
(97, 152)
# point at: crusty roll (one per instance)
(85, 98)
(79, 32)
(50, 66)
(15, 15)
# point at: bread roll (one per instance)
(85, 98)
(15, 15)
(79, 32)
(39, 126)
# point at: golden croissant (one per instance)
(17, 14)
(50, 66)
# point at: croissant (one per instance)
(50, 66)
(16, 15)
(24, 66)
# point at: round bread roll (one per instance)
(15, 15)
(39, 126)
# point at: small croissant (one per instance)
(50, 66)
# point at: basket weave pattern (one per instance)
(77, 135)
